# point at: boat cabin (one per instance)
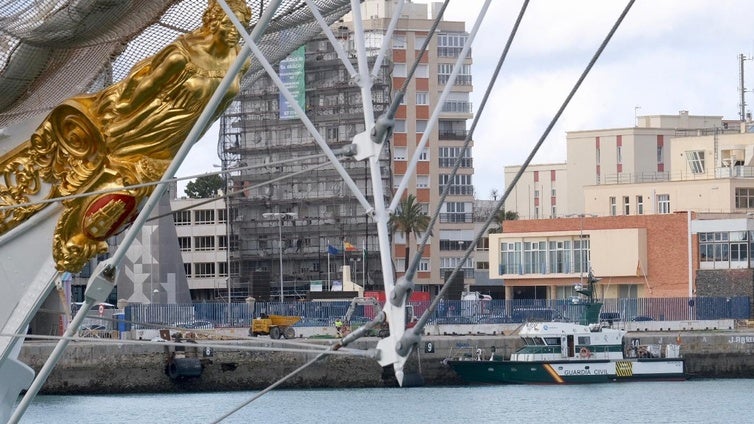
(568, 341)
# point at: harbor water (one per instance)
(694, 401)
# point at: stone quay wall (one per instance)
(130, 367)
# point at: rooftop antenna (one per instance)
(741, 89)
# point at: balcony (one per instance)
(452, 135)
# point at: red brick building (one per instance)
(634, 256)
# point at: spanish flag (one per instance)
(348, 247)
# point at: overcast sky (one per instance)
(667, 56)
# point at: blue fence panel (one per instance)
(324, 313)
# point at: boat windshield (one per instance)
(552, 341)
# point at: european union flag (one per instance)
(332, 250)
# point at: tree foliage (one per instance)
(205, 187)
(409, 218)
(501, 216)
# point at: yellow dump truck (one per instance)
(274, 325)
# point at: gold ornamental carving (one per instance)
(127, 134)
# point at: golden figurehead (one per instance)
(124, 135)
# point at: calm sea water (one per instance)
(696, 401)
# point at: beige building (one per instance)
(711, 173)
(541, 192)
(606, 157)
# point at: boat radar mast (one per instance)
(591, 311)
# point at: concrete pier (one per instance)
(128, 368)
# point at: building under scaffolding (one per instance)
(292, 196)
(327, 215)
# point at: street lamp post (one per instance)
(280, 216)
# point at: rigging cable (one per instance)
(382, 133)
(433, 306)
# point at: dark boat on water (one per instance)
(582, 351)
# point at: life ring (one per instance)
(585, 353)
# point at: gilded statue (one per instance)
(124, 135)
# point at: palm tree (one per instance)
(502, 215)
(409, 218)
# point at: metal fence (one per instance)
(324, 313)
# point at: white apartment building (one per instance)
(200, 225)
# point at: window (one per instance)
(204, 216)
(535, 254)
(422, 98)
(581, 254)
(613, 206)
(184, 244)
(619, 154)
(482, 266)
(182, 217)
(695, 159)
(723, 247)
(424, 265)
(204, 269)
(421, 125)
(452, 129)
(397, 180)
(399, 42)
(554, 212)
(332, 133)
(458, 240)
(204, 243)
(560, 257)
(187, 269)
(451, 44)
(399, 153)
(422, 181)
(460, 185)
(510, 258)
(663, 203)
(745, 198)
(445, 69)
(449, 155)
(456, 212)
(222, 269)
(626, 205)
(424, 155)
(640, 205)
(222, 216)
(422, 71)
(457, 102)
(222, 242)
(449, 264)
(400, 126)
(419, 42)
(536, 194)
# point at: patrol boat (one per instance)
(585, 351)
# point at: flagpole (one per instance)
(364, 264)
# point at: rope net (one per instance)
(51, 50)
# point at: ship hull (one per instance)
(568, 372)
